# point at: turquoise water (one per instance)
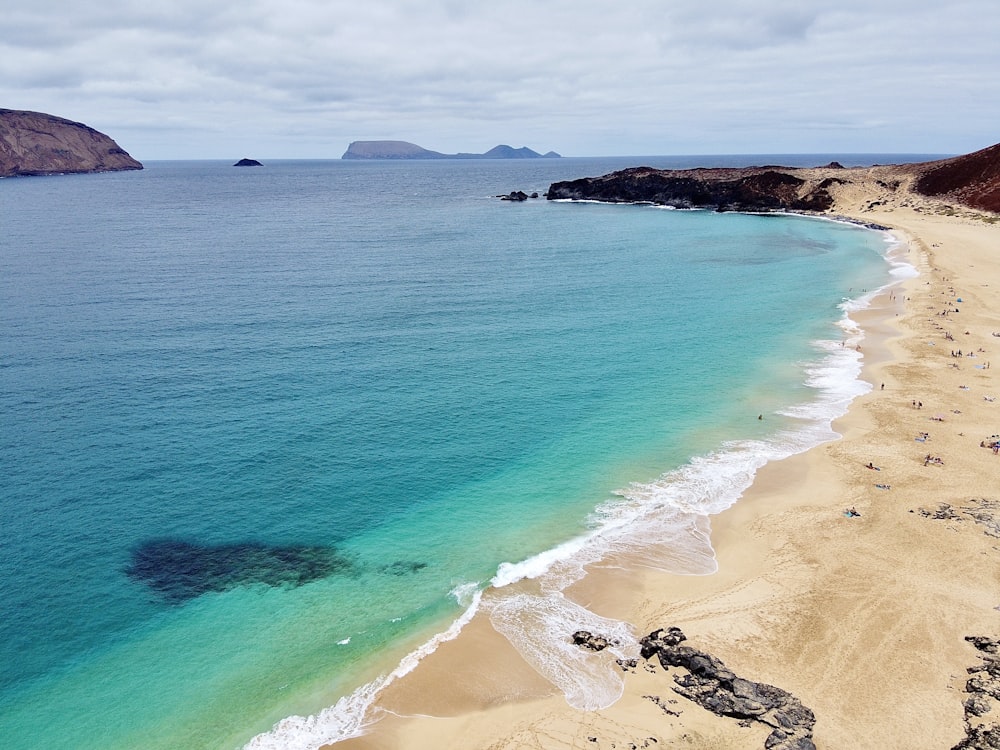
(267, 430)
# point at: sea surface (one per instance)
(268, 434)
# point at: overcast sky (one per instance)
(172, 79)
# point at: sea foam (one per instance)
(350, 715)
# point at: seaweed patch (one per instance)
(403, 567)
(179, 570)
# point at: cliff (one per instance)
(33, 143)
(972, 180)
(405, 150)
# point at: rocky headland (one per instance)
(34, 143)
(972, 180)
(406, 150)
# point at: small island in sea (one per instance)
(406, 150)
(34, 143)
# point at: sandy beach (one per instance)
(863, 618)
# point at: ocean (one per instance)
(268, 434)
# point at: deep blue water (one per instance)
(260, 425)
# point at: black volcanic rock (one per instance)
(248, 163)
(518, 196)
(34, 143)
(983, 687)
(972, 180)
(749, 189)
(713, 686)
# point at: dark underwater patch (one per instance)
(403, 567)
(179, 570)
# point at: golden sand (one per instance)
(862, 618)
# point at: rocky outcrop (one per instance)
(406, 150)
(749, 189)
(710, 684)
(983, 688)
(590, 641)
(33, 143)
(972, 180)
(518, 196)
(983, 511)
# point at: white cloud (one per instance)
(302, 78)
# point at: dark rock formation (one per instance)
(517, 196)
(710, 684)
(749, 189)
(405, 150)
(983, 688)
(514, 195)
(588, 640)
(248, 163)
(983, 511)
(179, 570)
(33, 143)
(972, 179)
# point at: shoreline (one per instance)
(795, 580)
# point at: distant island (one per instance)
(405, 150)
(248, 163)
(34, 143)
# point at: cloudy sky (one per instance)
(172, 79)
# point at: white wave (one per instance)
(540, 628)
(341, 721)
(351, 715)
(540, 564)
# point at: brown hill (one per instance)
(973, 179)
(33, 143)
